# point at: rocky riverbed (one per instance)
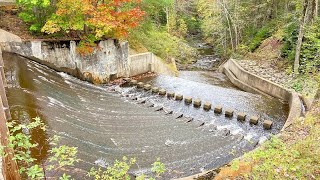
(267, 71)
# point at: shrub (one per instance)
(35, 12)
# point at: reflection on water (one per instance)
(107, 125)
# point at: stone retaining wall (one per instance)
(255, 84)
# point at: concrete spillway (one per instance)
(105, 125)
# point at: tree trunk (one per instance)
(300, 37)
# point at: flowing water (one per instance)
(106, 125)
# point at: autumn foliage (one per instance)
(101, 18)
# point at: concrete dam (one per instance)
(109, 122)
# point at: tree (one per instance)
(309, 13)
(103, 19)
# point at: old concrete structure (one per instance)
(162, 92)
(218, 109)
(188, 100)
(255, 84)
(179, 97)
(109, 60)
(170, 94)
(197, 103)
(241, 116)
(267, 124)
(140, 85)
(155, 90)
(254, 120)
(229, 112)
(147, 87)
(207, 106)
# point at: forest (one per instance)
(170, 28)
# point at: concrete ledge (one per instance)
(255, 84)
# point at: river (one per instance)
(106, 125)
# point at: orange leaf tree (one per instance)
(101, 18)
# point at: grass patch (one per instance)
(293, 155)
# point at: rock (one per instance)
(229, 113)
(267, 124)
(241, 116)
(179, 97)
(133, 82)
(155, 90)
(170, 94)
(197, 103)
(147, 87)
(162, 92)
(254, 120)
(140, 85)
(188, 100)
(218, 109)
(207, 106)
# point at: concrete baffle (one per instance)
(133, 82)
(147, 87)
(267, 124)
(241, 116)
(162, 92)
(127, 80)
(197, 103)
(254, 120)
(207, 106)
(140, 85)
(170, 94)
(155, 90)
(229, 112)
(179, 97)
(218, 109)
(188, 100)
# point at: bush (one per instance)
(290, 38)
(35, 13)
(261, 35)
(161, 43)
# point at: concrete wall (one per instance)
(255, 84)
(109, 60)
(145, 62)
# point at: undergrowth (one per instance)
(293, 155)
